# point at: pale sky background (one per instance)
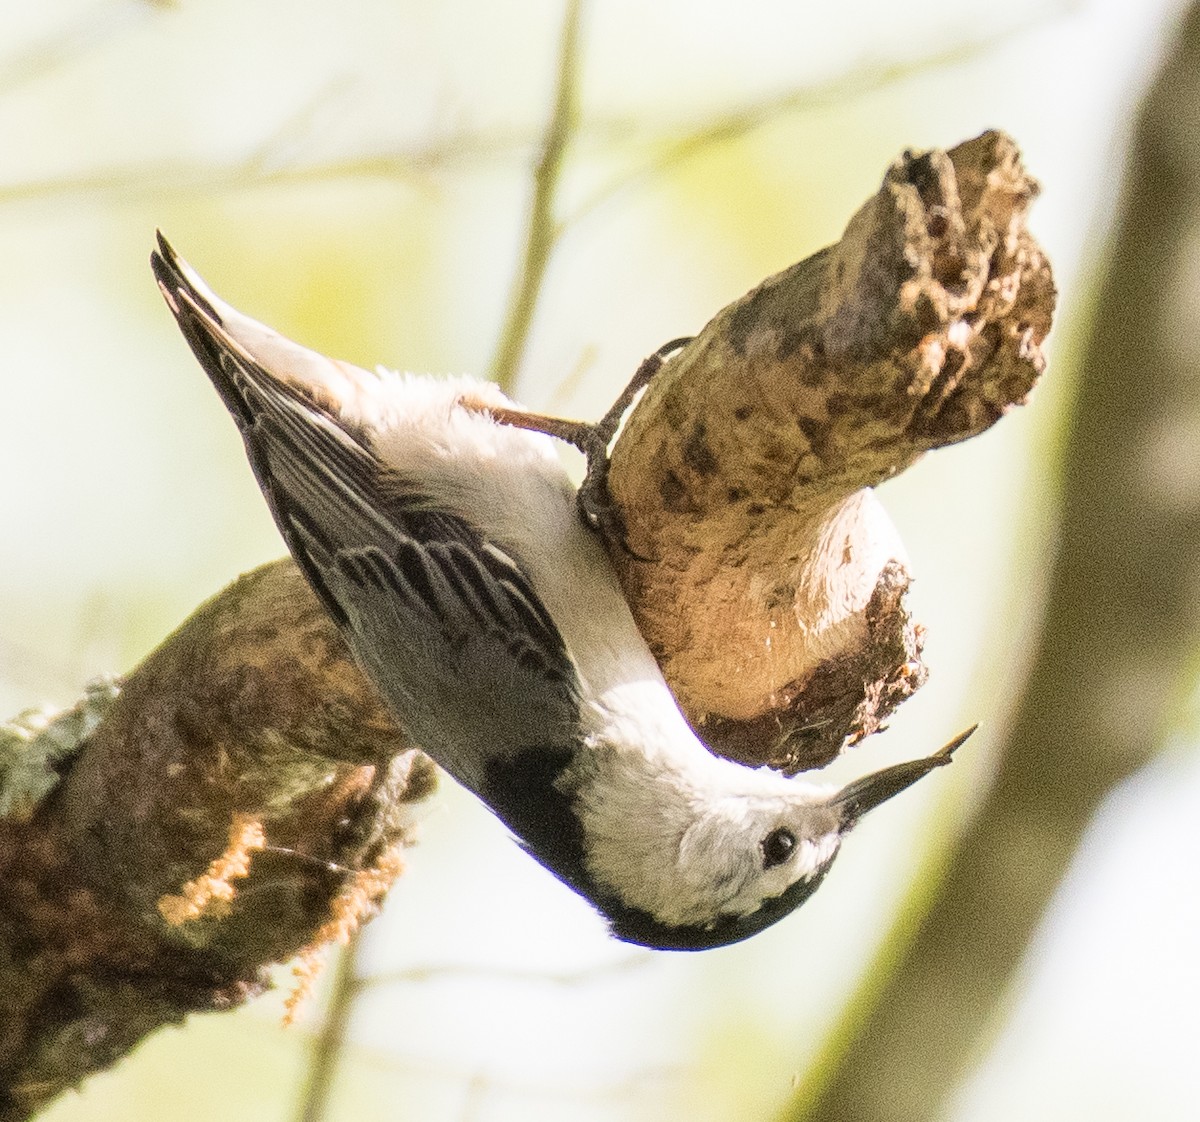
(125, 498)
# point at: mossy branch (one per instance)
(243, 789)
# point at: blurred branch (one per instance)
(1116, 651)
(331, 1040)
(72, 42)
(468, 148)
(282, 148)
(867, 77)
(584, 975)
(159, 179)
(542, 229)
(348, 984)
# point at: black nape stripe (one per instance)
(522, 792)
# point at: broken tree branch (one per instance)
(764, 575)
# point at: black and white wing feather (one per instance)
(444, 621)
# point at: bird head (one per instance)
(746, 858)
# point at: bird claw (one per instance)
(597, 509)
(594, 500)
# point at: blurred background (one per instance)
(359, 176)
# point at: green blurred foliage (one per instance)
(357, 177)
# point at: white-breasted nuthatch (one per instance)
(450, 551)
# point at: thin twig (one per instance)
(866, 78)
(543, 230)
(419, 975)
(331, 1041)
(180, 178)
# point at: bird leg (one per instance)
(577, 433)
(595, 502)
(593, 440)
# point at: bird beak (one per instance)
(855, 799)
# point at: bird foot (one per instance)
(594, 500)
(595, 503)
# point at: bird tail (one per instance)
(217, 332)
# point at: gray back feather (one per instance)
(444, 622)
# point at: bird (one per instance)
(448, 547)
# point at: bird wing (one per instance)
(444, 622)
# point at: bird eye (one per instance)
(777, 847)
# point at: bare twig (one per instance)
(331, 1040)
(542, 229)
(160, 179)
(419, 975)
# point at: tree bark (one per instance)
(765, 576)
(242, 799)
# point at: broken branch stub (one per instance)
(761, 569)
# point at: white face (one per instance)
(746, 850)
(689, 854)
